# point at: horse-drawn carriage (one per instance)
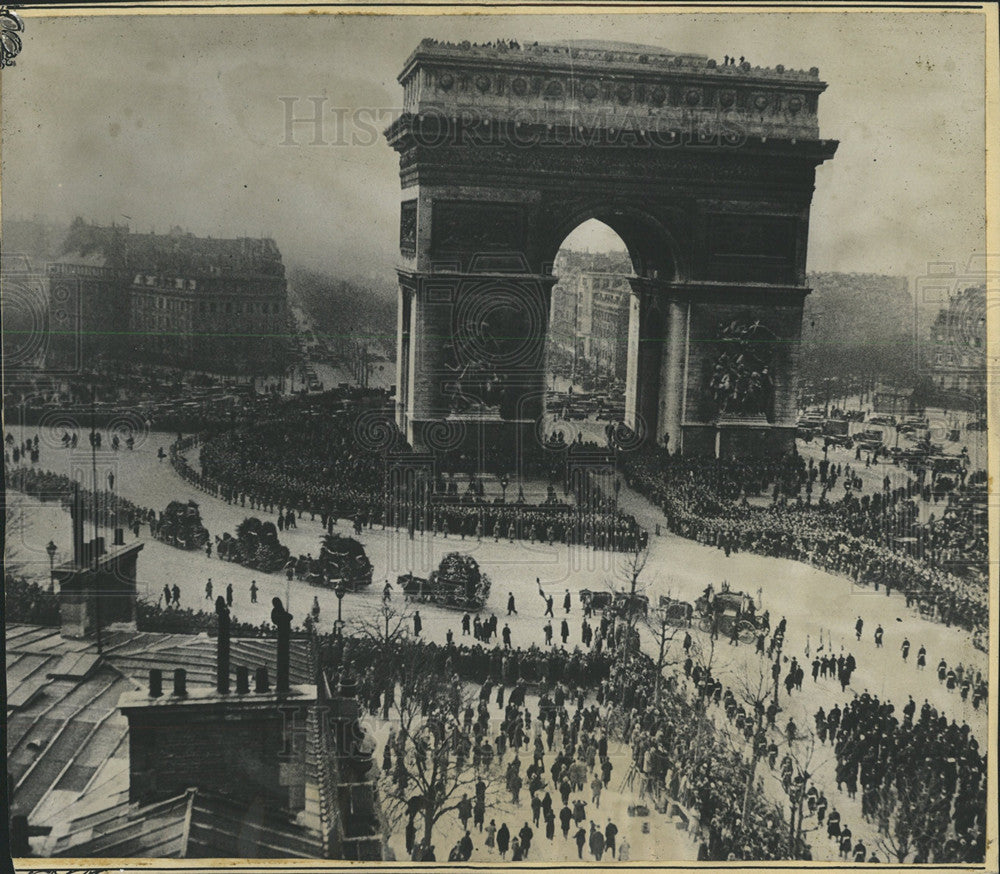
(724, 611)
(457, 584)
(180, 526)
(675, 612)
(595, 600)
(625, 603)
(344, 559)
(619, 603)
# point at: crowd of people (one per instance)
(922, 769)
(112, 509)
(331, 474)
(570, 744)
(706, 500)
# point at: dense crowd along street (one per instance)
(691, 747)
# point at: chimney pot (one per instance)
(155, 682)
(242, 680)
(348, 687)
(180, 681)
(261, 678)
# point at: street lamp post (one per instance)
(51, 550)
(387, 614)
(340, 591)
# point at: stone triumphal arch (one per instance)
(705, 171)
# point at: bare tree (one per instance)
(752, 686)
(628, 576)
(664, 630)
(434, 766)
(801, 750)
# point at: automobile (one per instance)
(835, 433)
(870, 439)
(945, 463)
(977, 425)
(810, 421)
(844, 440)
(574, 411)
(882, 419)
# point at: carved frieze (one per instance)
(408, 228)
(465, 226)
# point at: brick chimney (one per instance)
(282, 620)
(76, 515)
(222, 660)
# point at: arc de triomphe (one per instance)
(705, 170)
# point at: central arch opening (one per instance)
(586, 350)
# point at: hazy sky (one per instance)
(178, 120)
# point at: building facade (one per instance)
(175, 299)
(590, 312)
(956, 354)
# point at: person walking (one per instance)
(503, 840)
(610, 837)
(511, 609)
(229, 594)
(465, 846)
(566, 601)
(417, 624)
(595, 788)
(491, 836)
(564, 631)
(465, 811)
(596, 842)
(624, 851)
(253, 591)
(581, 839)
(565, 818)
(516, 854)
(536, 808)
(526, 834)
(208, 590)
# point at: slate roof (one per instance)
(67, 742)
(195, 825)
